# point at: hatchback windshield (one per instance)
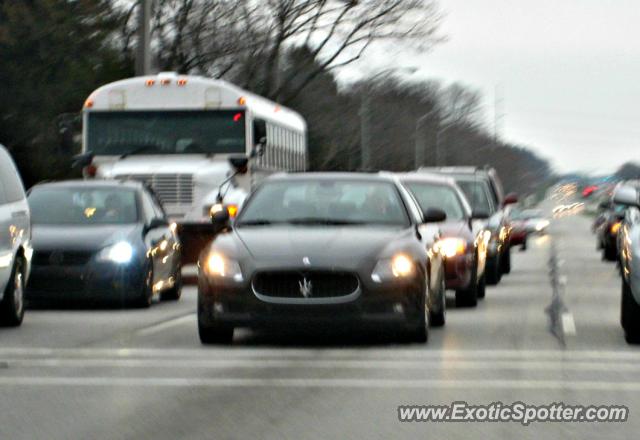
(430, 195)
(476, 193)
(83, 206)
(325, 202)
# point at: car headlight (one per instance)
(120, 253)
(219, 266)
(451, 246)
(615, 227)
(542, 224)
(400, 266)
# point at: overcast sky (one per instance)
(567, 72)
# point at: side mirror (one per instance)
(479, 214)
(82, 160)
(240, 164)
(626, 195)
(156, 223)
(434, 215)
(511, 199)
(260, 132)
(219, 217)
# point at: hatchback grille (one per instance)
(174, 189)
(312, 284)
(61, 258)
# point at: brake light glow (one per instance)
(237, 117)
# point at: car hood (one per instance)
(81, 238)
(456, 229)
(323, 246)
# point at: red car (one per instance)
(464, 250)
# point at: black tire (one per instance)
(524, 244)
(630, 315)
(12, 305)
(610, 253)
(420, 331)
(175, 292)
(146, 292)
(482, 287)
(215, 334)
(469, 297)
(505, 260)
(492, 271)
(439, 318)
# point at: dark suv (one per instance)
(484, 192)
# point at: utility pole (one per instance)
(143, 51)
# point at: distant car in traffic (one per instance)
(484, 192)
(525, 223)
(627, 196)
(606, 226)
(334, 249)
(464, 251)
(101, 240)
(15, 246)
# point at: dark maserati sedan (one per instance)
(101, 240)
(328, 249)
(464, 250)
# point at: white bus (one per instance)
(177, 133)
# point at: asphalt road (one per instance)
(143, 373)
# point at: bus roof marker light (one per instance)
(242, 100)
(88, 103)
(165, 81)
(150, 82)
(182, 82)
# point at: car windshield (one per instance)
(476, 193)
(83, 206)
(430, 195)
(327, 202)
(165, 132)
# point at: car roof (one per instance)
(415, 176)
(94, 183)
(334, 175)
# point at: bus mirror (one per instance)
(239, 164)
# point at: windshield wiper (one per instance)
(138, 149)
(323, 221)
(257, 222)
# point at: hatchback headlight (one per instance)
(121, 253)
(451, 246)
(219, 266)
(400, 266)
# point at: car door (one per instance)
(160, 240)
(14, 216)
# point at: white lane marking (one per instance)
(568, 324)
(631, 354)
(156, 328)
(183, 382)
(257, 364)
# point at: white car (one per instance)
(15, 246)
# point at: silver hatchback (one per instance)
(15, 237)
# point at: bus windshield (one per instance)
(165, 132)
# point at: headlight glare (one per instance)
(451, 246)
(218, 266)
(400, 266)
(121, 253)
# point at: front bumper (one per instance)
(459, 271)
(95, 281)
(238, 306)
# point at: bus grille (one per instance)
(171, 189)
